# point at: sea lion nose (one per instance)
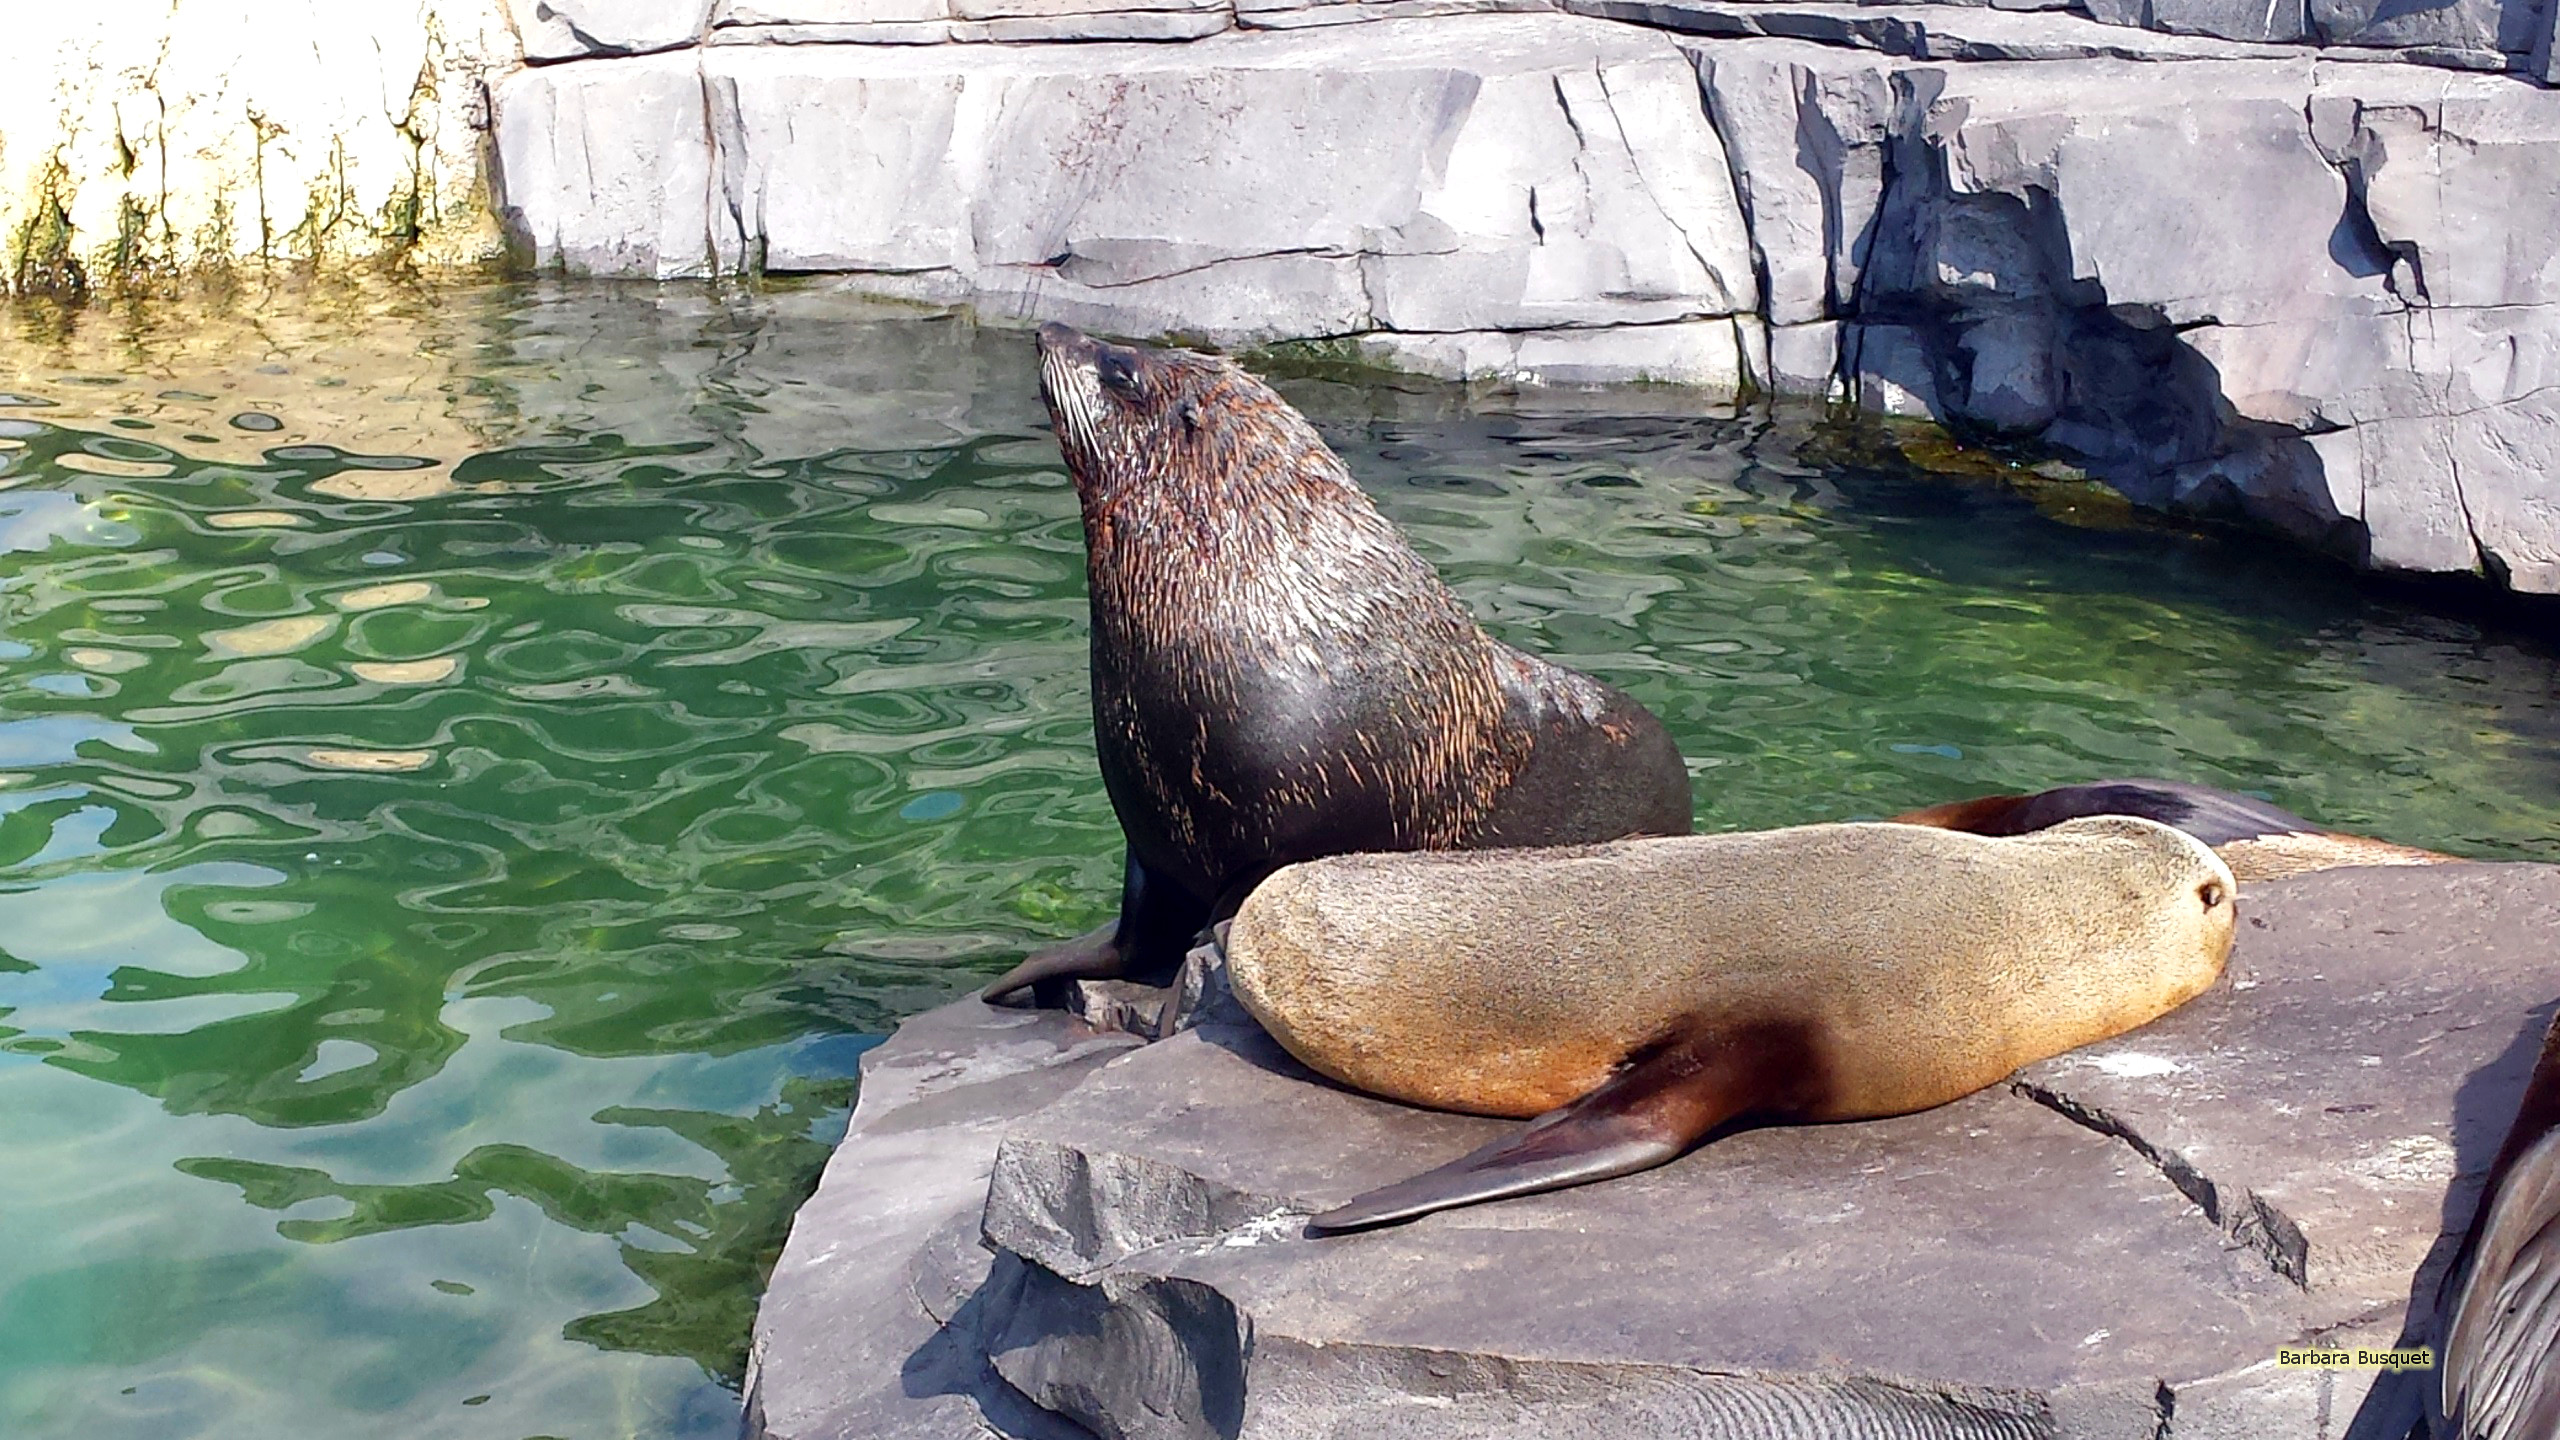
(1054, 336)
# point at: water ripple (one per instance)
(472, 781)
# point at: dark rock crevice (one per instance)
(2240, 1213)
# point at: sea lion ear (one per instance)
(1191, 416)
(1117, 368)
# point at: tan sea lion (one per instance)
(1278, 676)
(1635, 996)
(2499, 1364)
(2258, 840)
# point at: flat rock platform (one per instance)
(1039, 1228)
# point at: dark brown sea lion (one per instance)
(1277, 675)
(2499, 1364)
(2258, 840)
(1637, 996)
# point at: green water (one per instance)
(442, 904)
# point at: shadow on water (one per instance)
(477, 767)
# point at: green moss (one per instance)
(137, 253)
(41, 258)
(1337, 358)
(326, 209)
(2058, 490)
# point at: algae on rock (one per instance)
(153, 137)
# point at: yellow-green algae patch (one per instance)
(144, 139)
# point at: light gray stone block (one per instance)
(1154, 26)
(2489, 27)
(1465, 175)
(1306, 14)
(827, 12)
(1704, 354)
(2413, 510)
(885, 32)
(2457, 174)
(1805, 131)
(604, 167)
(2216, 206)
(1946, 31)
(1805, 359)
(2506, 458)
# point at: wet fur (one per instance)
(1277, 675)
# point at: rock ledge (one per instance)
(1107, 1238)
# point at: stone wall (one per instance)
(2310, 282)
(141, 138)
(2314, 285)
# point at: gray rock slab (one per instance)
(1979, 1244)
(848, 13)
(2454, 172)
(861, 1331)
(1300, 14)
(2488, 27)
(2281, 21)
(1470, 174)
(2335, 1101)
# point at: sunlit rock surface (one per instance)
(143, 137)
(2113, 1245)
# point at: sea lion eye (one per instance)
(1118, 369)
(2211, 893)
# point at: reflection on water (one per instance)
(476, 769)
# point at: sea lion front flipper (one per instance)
(1665, 1101)
(1095, 955)
(1157, 924)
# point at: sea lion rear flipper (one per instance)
(2216, 817)
(2499, 1323)
(2259, 840)
(2501, 1361)
(1667, 1100)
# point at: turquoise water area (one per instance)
(477, 767)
